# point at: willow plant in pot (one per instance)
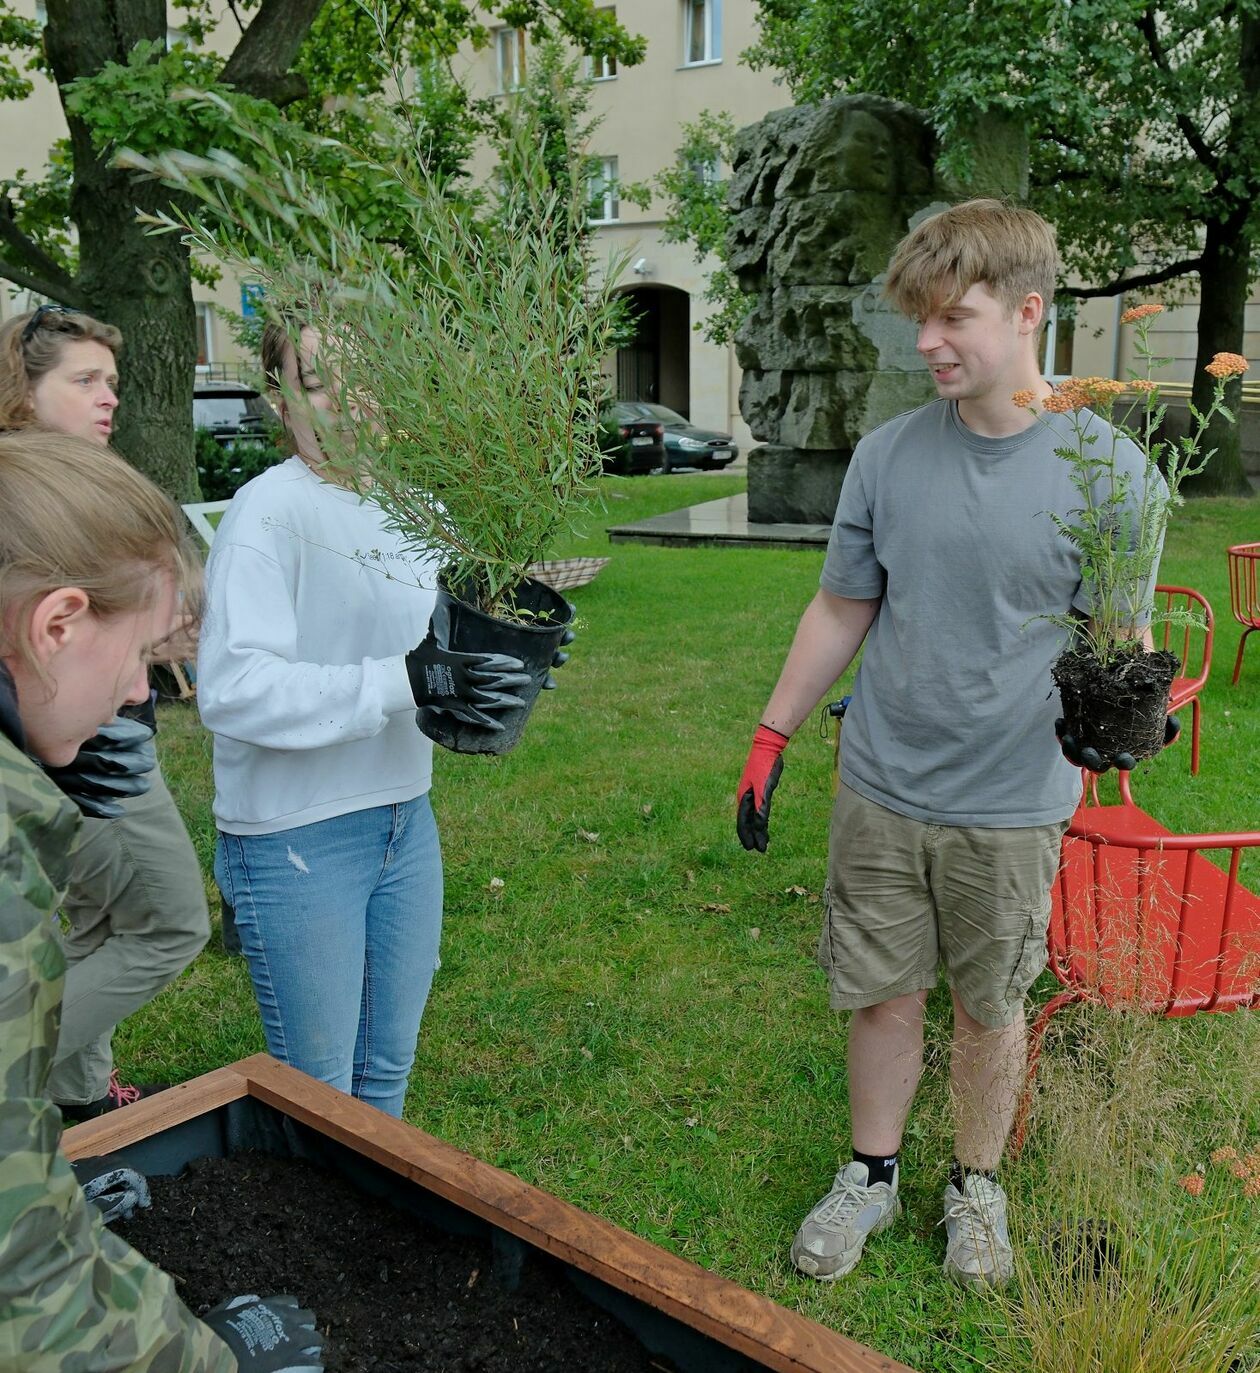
(1114, 691)
(467, 340)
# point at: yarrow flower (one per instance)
(1080, 392)
(1193, 1183)
(1251, 1188)
(1223, 1155)
(1144, 387)
(1024, 398)
(1057, 404)
(1137, 312)
(1227, 365)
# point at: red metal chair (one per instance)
(1193, 646)
(1244, 601)
(1141, 920)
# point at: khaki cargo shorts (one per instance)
(904, 896)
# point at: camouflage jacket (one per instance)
(74, 1298)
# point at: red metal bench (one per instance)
(1142, 920)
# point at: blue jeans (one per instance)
(340, 923)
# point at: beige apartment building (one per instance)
(692, 64)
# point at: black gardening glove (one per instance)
(116, 1190)
(268, 1334)
(1093, 760)
(469, 686)
(112, 765)
(549, 684)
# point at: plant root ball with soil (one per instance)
(1120, 707)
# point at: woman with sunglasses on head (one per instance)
(94, 581)
(136, 903)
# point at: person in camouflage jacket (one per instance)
(74, 1297)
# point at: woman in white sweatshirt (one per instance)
(307, 678)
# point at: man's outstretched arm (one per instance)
(827, 639)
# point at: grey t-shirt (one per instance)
(952, 719)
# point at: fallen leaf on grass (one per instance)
(691, 1122)
(590, 836)
(647, 809)
(754, 933)
(495, 886)
(585, 1052)
(795, 891)
(717, 907)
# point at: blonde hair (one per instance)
(77, 515)
(27, 354)
(1009, 249)
(276, 346)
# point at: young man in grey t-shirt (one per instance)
(954, 794)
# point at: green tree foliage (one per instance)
(695, 192)
(1144, 130)
(473, 359)
(305, 63)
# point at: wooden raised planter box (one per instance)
(700, 1321)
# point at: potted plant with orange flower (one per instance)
(1114, 691)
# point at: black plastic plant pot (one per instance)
(1118, 708)
(533, 638)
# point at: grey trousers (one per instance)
(137, 915)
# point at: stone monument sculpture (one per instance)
(819, 198)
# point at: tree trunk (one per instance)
(140, 284)
(1223, 287)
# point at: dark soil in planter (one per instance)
(392, 1293)
(1118, 709)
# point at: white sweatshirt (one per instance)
(311, 606)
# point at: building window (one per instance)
(702, 32)
(511, 45)
(205, 332)
(41, 13)
(602, 68)
(605, 205)
(707, 171)
(1057, 345)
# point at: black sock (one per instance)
(879, 1167)
(957, 1173)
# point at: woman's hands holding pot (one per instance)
(469, 686)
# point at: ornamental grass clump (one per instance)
(462, 334)
(1125, 1261)
(1114, 692)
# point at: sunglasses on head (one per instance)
(32, 324)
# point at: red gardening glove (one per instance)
(756, 787)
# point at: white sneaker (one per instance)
(977, 1244)
(831, 1238)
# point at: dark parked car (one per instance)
(630, 443)
(686, 445)
(232, 411)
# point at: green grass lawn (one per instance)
(628, 1011)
